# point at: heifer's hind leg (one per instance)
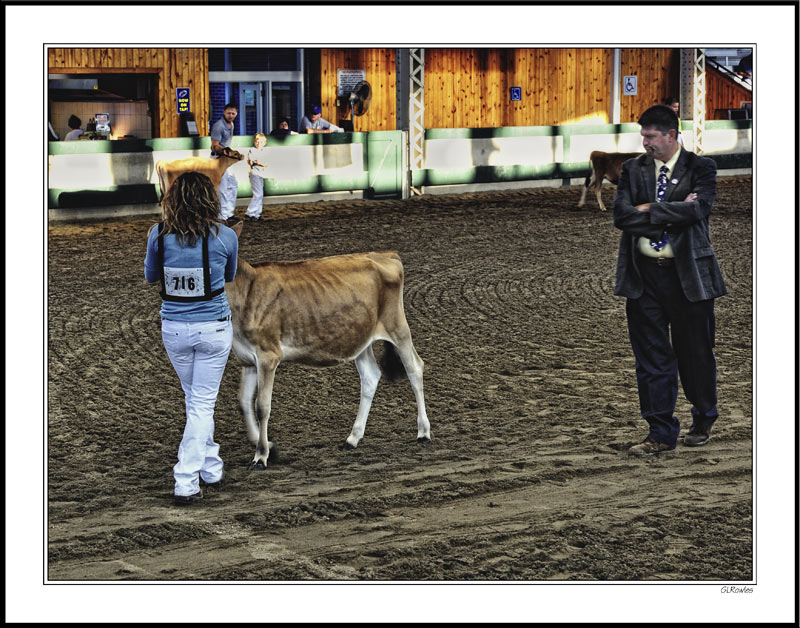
(370, 374)
(266, 378)
(414, 366)
(598, 191)
(247, 391)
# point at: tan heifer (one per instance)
(213, 168)
(604, 166)
(320, 312)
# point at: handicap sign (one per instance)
(516, 93)
(629, 86)
(183, 100)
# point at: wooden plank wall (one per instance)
(658, 72)
(379, 66)
(470, 87)
(464, 87)
(723, 93)
(173, 67)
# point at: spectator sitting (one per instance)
(675, 104)
(745, 67)
(313, 122)
(282, 130)
(74, 124)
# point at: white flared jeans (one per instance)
(257, 187)
(199, 352)
(227, 191)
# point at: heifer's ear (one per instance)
(237, 228)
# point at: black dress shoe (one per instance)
(188, 499)
(696, 437)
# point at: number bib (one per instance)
(184, 282)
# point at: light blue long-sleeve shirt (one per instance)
(223, 249)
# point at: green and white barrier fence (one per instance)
(85, 174)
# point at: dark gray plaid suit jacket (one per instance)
(686, 224)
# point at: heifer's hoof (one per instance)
(257, 466)
(345, 446)
(424, 440)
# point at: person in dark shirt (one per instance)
(282, 130)
(745, 67)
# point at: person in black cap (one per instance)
(313, 122)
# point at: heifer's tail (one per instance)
(391, 364)
(587, 182)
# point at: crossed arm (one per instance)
(645, 207)
(650, 219)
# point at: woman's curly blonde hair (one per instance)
(191, 208)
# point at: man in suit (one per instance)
(668, 271)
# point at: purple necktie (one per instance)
(661, 188)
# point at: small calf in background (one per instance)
(604, 166)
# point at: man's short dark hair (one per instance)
(231, 105)
(74, 122)
(661, 117)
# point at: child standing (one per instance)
(256, 159)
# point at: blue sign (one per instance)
(516, 93)
(183, 99)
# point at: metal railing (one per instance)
(747, 83)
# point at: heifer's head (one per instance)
(233, 154)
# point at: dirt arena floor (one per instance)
(530, 391)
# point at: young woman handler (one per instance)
(192, 255)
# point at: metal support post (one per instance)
(687, 83)
(699, 99)
(416, 114)
(616, 80)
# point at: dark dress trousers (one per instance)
(670, 308)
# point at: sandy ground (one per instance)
(529, 386)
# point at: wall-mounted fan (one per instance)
(360, 98)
